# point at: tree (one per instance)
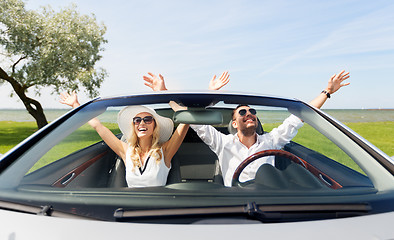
(51, 49)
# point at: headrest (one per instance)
(259, 130)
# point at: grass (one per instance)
(378, 133)
(12, 133)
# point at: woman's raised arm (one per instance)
(109, 138)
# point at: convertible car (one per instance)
(328, 182)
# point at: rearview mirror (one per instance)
(199, 116)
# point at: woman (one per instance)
(150, 147)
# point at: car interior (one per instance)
(89, 179)
(195, 166)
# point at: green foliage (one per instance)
(51, 49)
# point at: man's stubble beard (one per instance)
(248, 132)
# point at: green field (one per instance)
(12, 133)
(378, 133)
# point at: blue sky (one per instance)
(285, 48)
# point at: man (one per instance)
(233, 149)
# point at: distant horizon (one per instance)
(343, 115)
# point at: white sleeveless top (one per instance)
(151, 174)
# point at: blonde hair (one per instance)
(154, 151)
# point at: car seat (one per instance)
(118, 171)
(194, 161)
(118, 174)
(259, 129)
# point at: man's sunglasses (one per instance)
(147, 120)
(243, 112)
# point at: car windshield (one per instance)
(68, 167)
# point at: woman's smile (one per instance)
(142, 127)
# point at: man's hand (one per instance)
(154, 82)
(216, 84)
(335, 82)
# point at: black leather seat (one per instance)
(194, 161)
(118, 175)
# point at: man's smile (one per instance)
(249, 119)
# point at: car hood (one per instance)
(43, 227)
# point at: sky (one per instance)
(286, 48)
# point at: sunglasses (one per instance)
(147, 120)
(243, 112)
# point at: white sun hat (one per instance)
(126, 115)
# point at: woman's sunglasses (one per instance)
(242, 112)
(147, 120)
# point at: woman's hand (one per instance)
(154, 82)
(216, 84)
(70, 100)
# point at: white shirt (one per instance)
(231, 152)
(151, 174)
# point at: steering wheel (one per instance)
(265, 153)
